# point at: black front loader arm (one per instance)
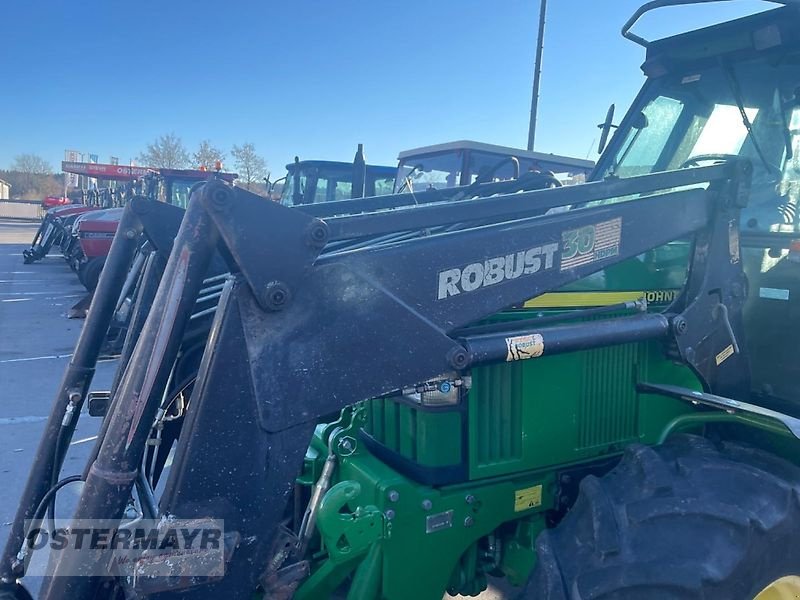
(301, 333)
(137, 215)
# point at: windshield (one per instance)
(181, 190)
(703, 116)
(294, 189)
(317, 185)
(383, 185)
(448, 169)
(439, 171)
(331, 183)
(497, 167)
(178, 189)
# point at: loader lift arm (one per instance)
(283, 352)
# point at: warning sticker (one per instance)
(528, 498)
(591, 243)
(724, 355)
(522, 347)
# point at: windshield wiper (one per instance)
(407, 179)
(736, 91)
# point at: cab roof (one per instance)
(198, 174)
(566, 161)
(767, 30)
(334, 164)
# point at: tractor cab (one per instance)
(316, 181)
(730, 91)
(174, 186)
(463, 162)
(95, 231)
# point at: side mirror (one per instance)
(640, 121)
(605, 129)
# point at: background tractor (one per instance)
(586, 390)
(93, 232)
(58, 221)
(464, 162)
(318, 181)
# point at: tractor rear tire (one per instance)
(686, 520)
(89, 272)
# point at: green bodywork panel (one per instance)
(567, 408)
(426, 530)
(539, 413)
(522, 423)
(431, 439)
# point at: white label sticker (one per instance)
(691, 78)
(773, 293)
(523, 347)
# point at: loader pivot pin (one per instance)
(221, 197)
(277, 295)
(458, 358)
(318, 234)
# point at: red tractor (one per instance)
(93, 232)
(53, 201)
(56, 227)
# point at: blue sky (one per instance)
(314, 78)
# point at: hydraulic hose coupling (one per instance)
(74, 400)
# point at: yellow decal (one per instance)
(528, 498)
(600, 298)
(722, 356)
(522, 347)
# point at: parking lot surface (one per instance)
(36, 342)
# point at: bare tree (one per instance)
(250, 166)
(51, 185)
(207, 155)
(167, 152)
(31, 164)
(32, 169)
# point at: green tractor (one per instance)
(587, 391)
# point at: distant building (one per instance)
(5, 190)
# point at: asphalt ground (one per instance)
(36, 342)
